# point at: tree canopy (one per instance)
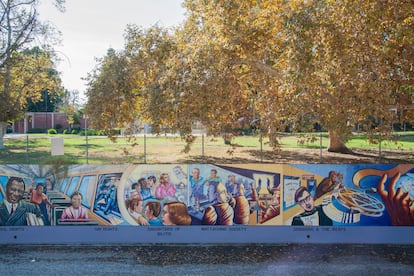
(293, 63)
(26, 59)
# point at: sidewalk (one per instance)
(282, 259)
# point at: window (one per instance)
(64, 183)
(87, 188)
(72, 186)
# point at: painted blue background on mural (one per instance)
(368, 184)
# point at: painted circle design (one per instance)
(363, 202)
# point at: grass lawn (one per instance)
(36, 149)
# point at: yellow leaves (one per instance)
(31, 72)
(335, 59)
(322, 59)
(409, 20)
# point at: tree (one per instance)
(284, 63)
(346, 62)
(335, 63)
(148, 53)
(23, 75)
(126, 85)
(70, 106)
(111, 99)
(49, 100)
(227, 69)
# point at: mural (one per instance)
(208, 195)
(351, 195)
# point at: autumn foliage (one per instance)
(342, 65)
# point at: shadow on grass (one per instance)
(387, 156)
(35, 157)
(9, 156)
(308, 156)
(90, 146)
(18, 155)
(215, 160)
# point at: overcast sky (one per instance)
(90, 27)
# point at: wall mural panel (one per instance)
(166, 200)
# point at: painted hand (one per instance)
(398, 202)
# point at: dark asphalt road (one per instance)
(281, 259)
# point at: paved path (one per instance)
(308, 259)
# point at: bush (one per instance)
(52, 131)
(66, 131)
(74, 131)
(91, 132)
(36, 130)
(101, 133)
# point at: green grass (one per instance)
(401, 141)
(37, 148)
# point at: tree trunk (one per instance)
(336, 143)
(3, 130)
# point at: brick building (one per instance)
(41, 120)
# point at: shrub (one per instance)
(100, 133)
(91, 132)
(36, 130)
(52, 131)
(74, 131)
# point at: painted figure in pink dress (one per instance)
(166, 189)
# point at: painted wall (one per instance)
(306, 200)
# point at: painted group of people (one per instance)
(204, 188)
(145, 198)
(224, 203)
(144, 205)
(149, 203)
(151, 213)
(149, 188)
(15, 209)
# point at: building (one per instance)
(42, 120)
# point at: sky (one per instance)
(90, 27)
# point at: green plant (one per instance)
(36, 130)
(52, 131)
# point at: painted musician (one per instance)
(14, 210)
(312, 215)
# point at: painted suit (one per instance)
(18, 218)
